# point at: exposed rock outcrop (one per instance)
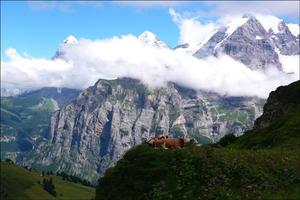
(92, 133)
(279, 104)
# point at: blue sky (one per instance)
(37, 28)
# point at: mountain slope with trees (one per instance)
(23, 183)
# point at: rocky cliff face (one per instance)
(284, 40)
(279, 104)
(251, 44)
(104, 121)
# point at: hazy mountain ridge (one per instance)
(25, 118)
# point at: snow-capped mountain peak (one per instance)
(151, 39)
(147, 35)
(270, 23)
(70, 40)
(258, 36)
(237, 22)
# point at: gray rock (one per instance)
(252, 45)
(284, 40)
(104, 121)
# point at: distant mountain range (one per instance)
(253, 41)
(258, 42)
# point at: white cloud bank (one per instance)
(192, 31)
(127, 56)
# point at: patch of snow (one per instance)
(231, 24)
(234, 24)
(71, 40)
(151, 39)
(269, 22)
(294, 28)
(258, 38)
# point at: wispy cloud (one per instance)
(191, 30)
(222, 8)
(50, 5)
(277, 8)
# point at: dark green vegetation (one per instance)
(25, 118)
(202, 173)
(49, 186)
(262, 164)
(20, 183)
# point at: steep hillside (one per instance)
(93, 132)
(262, 164)
(19, 183)
(279, 126)
(25, 119)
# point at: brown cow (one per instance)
(166, 142)
(174, 143)
(157, 141)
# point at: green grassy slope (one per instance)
(284, 134)
(203, 173)
(262, 164)
(26, 114)
(19, 183)
(25, 118)
(21, 122)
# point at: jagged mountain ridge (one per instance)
(248, 41)
(253, 41)
(246, 44)
(151, 39)
(90, 134)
